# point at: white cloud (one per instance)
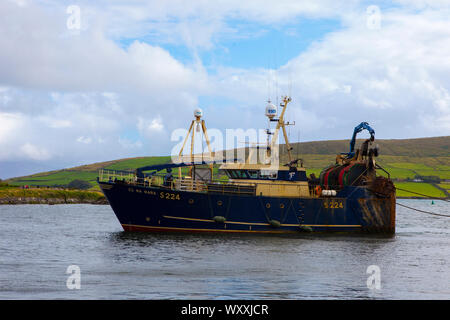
(424, 4)
(5, 98)
(34, 152)
(202, 22)
(55, 122)
(38, 57)
(391, 77)
(20, 3)
(85, 140)
(74, 97)
(10, 125)
(128, 144)
(148, 127)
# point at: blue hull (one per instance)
(156, 209)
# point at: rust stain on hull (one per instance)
(378, 214)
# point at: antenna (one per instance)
(268, 83)
(276, 85)
(276, 73)
(290, 82)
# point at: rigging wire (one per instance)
(421, 194)
(427, 212)
(418, 210)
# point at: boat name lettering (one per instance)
(142, 191)
(333, 204)
(169, 196)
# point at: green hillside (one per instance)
(403, 159)
(87, 173)
(421, 147)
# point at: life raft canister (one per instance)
(318, 190)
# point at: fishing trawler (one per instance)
(249, 197)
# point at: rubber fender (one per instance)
(219, 219)
(275, 223)
(306, 228)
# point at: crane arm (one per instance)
(358, 129)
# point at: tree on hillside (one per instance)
(79, 184)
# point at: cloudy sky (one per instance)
(88, 81)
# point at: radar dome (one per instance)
(271, 110)
(198, 113)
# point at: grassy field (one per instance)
(445, 186)
(58, 178)
(424, 188)
(131, 164)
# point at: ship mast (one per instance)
(198, 123)
(281, 124)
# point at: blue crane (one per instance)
(359, 128)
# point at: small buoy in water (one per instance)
(432, 201)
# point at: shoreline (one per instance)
(50, 201)
(50, 196)
(423, 198)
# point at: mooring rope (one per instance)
(421, 194)
(428, 212)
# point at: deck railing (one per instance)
(176, 183)
(107, 175)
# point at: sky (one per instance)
(90, 81)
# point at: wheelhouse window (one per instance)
(269, 174)
(253, 174)
(231, 174)
(238, 174)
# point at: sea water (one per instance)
(81, 252)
